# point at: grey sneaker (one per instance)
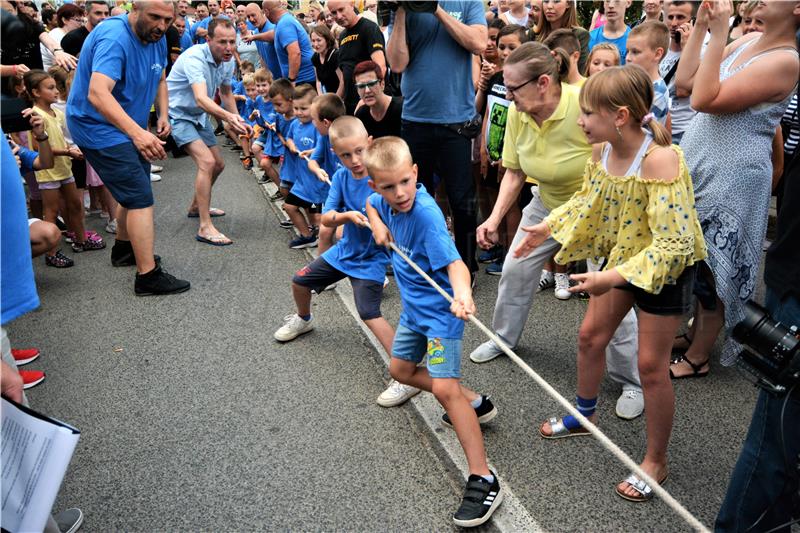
(630, 404)
(396, 394)
(294, 327)
(69, 521)
(485, 352)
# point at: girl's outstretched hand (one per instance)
(536, 235)
(596, 283)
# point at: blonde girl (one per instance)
(602, 56)
(636, 210)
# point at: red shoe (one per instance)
(31, 378)
(23, 357)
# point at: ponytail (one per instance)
(660, 134)
(537, 60)
(562, 61)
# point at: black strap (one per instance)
(671, 72)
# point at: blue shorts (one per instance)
(186, 131)
(443, 356)
(125, 172)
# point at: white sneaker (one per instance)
(385, 281)
(396, 393)
(294, 327)
(156, 168)
(154, 177)
(630, 404)
(485, 352)
(545, 280)
(328, 288)
(562, 287)
(111, 227)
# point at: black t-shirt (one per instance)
(173, 45)
(782, 269)
(326, 72)
(73, 41)
(390, 125)
(357, 44)
(23, 48)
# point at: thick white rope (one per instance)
(607, 443)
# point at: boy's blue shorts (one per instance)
(443, 356)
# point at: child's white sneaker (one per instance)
(294, 327)
(562, 287)
(396, 393)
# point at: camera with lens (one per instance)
(385, 8)
(771, 351)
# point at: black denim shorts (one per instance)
(673, 300)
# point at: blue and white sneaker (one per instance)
(304, 242)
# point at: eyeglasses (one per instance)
(367, 84)
(510, 89)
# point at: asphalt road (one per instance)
(193, 417)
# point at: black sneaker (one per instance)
(122, 255)
(287, 224)
(485, 412)
(158, 281)
(481, 500)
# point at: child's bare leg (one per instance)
(302, 299)
(408, 373)
(73, 200)
(297, 219)
(382, 330)
(50, 206)
(465, 423)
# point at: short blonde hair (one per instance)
(599, 47)
(387, 153)
(654, 32)
(249, 79)
(346, 126)
(262, 75)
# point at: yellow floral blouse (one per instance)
(647, 229)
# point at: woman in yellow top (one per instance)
(636, 209)
(543, 141)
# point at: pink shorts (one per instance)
(52, 185)
(92, 177)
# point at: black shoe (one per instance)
(61, 225)
(481, 500)
(122, 255)
(286, 224)
(220, 130)
(485, 412)
(158, 281)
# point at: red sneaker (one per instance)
(25, 356)
(31, 378)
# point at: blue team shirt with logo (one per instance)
(306, 185)
(325, 156)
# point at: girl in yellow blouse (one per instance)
(636, 210)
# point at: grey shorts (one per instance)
(186, 131)
(318, 274)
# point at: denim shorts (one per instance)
(442, 356)
(673, 300)
(319, 274)
(186, 131)
(125, 172)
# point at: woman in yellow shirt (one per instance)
(636, 209)
(543, 141)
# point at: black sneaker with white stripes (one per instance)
(481, 500)
(485, 412)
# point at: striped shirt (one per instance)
(791, 121)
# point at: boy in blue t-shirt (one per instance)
(269, 148)
(323, 162)
(647, 44)
(307, 192)
(614, 31)
(355, 256)
(245, 111)
(404, 213)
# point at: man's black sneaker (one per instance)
(481, 500)
(485, 412)
(122, 255)
(158, 281)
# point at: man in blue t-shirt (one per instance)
(292, 45)
(426, 47)
(121, 70)
(263, 34)
(199, 31)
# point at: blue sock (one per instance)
(585, 406)
(476, 402)
(305, 317)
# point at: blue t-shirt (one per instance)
(248, 107)
(324, 155)
(422, 235)
(306, 185)
(17, 286)
(596, 37)
(284, 125)
(203, 24)
(437, 83)
(113, 49)
(237, 88)
(26, 158)
(267, 49)
(196, 65)
(356, 254)
(266, 112)
(186, 41)
(288, 30)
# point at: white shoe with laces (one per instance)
(562, 287)
(630, 404)
(154, 177)
(111, 227)
(396, 394)
(294, 327)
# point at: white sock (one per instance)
(476, 402)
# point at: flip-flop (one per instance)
(645, 491)
(214, 240)
(213, 212)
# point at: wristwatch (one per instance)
(43, 138)
(57, 50)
